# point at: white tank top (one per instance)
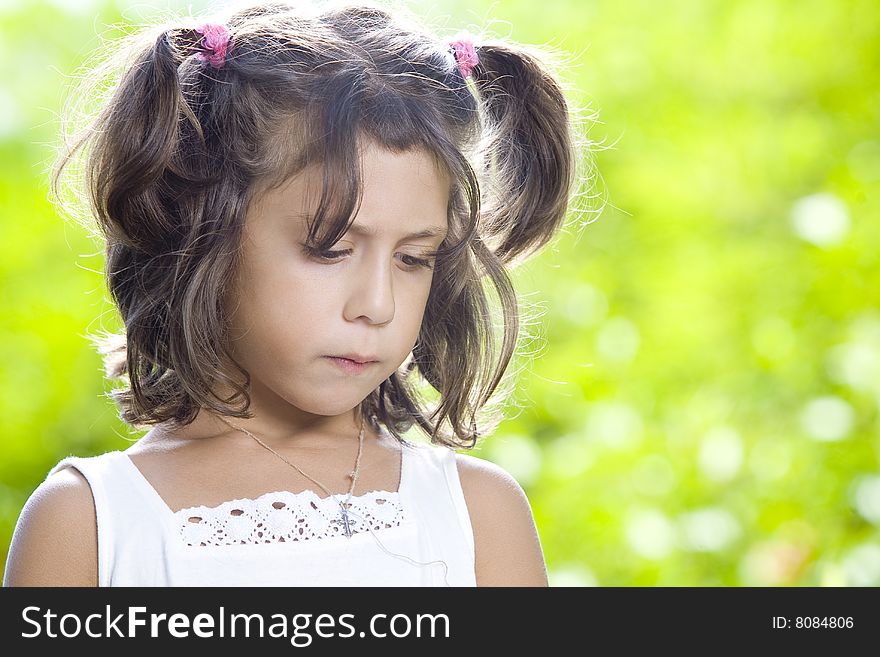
(284, 538)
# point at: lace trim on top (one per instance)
(282, 516)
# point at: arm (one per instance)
(507, 546)
(55, 539)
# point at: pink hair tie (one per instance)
(465, 53)
(213, 44)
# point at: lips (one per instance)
(350, 366)
(357, 358)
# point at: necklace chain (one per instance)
(354, 474)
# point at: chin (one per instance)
(333, 402)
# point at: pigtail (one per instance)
(528, 154)
(136, 143)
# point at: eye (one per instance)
(417, 262)
(411, 261)
(323, 255)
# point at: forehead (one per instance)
(403, 194)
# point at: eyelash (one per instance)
(335, 255)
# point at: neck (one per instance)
(319, 434)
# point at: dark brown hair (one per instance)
(177, 150)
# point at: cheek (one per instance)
(420, 300)
(411, 319)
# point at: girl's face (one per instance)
(293, 310)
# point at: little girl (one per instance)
(300, 207)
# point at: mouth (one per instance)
(350, 365)
(356, 358)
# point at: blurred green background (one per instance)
(703, 407)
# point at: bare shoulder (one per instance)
(507, 546)
(55, 542)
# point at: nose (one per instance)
(372, 291)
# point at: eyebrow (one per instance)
(430, 231)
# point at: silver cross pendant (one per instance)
(345, 521)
